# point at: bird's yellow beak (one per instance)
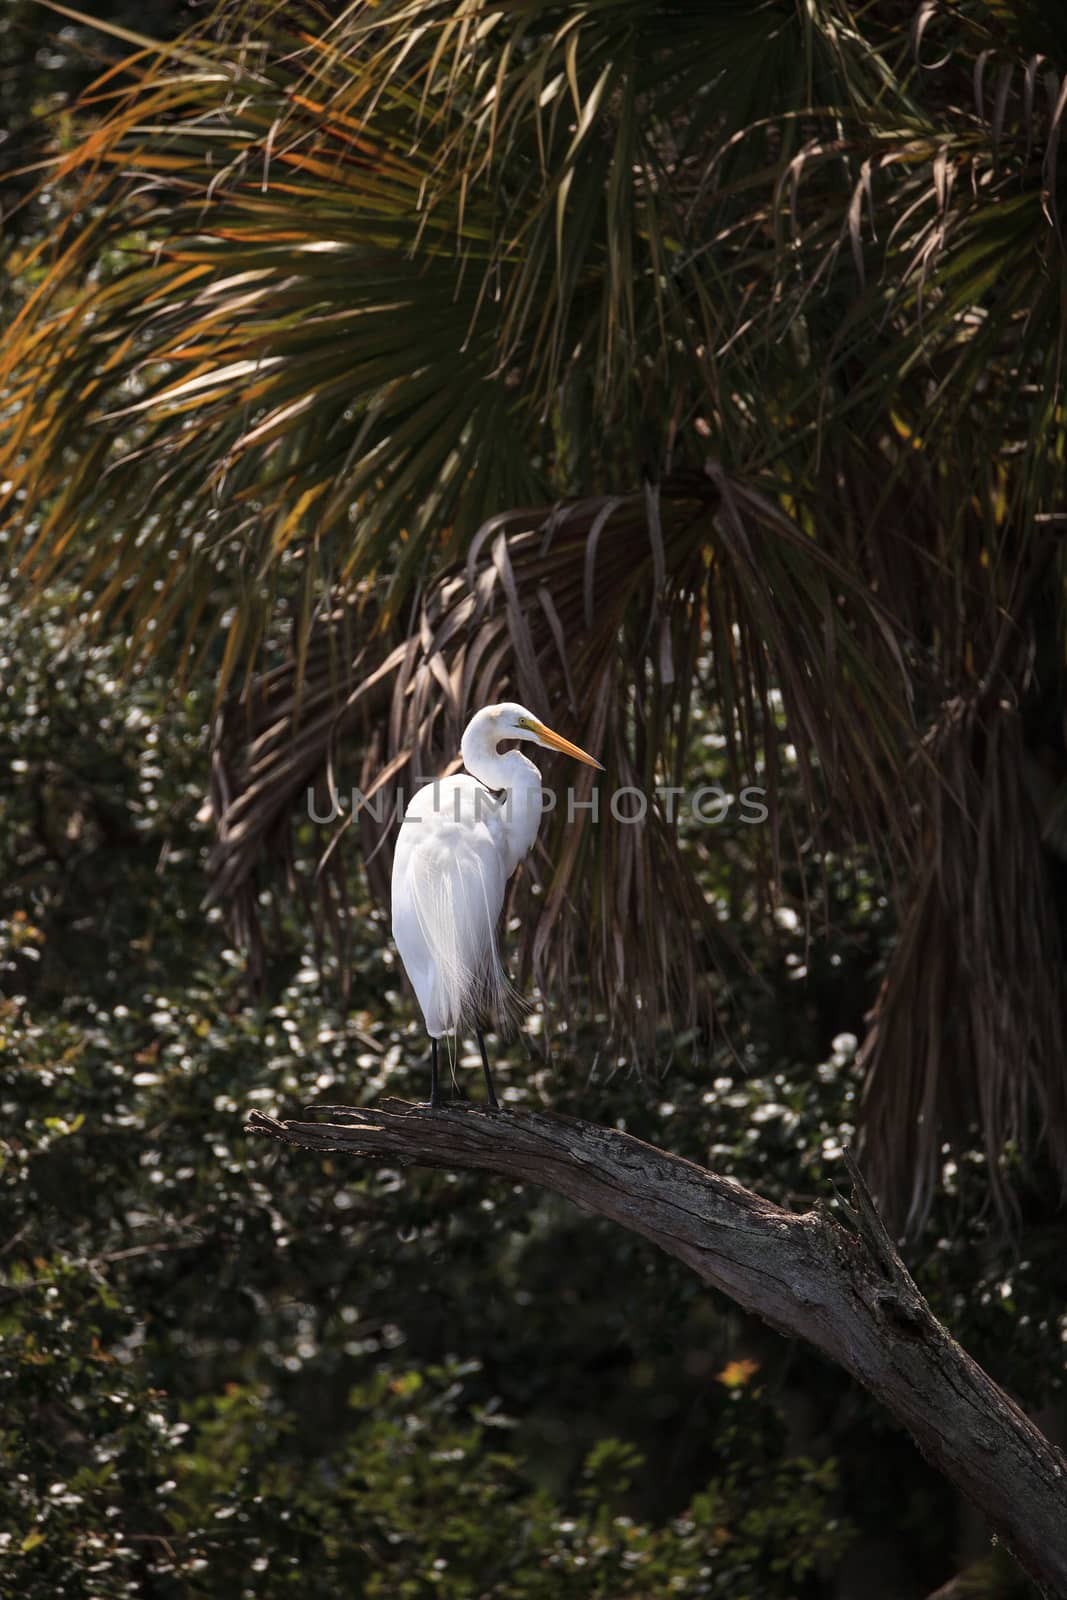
(556, 741)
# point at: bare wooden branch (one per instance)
(847, 1293)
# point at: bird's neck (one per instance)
(507, 770)
(519, 818)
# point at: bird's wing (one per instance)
(449, 877)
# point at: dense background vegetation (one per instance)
(228, 1371)
(814, 544)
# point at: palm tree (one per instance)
(628, 356)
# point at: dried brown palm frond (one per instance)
(980, 940)
(981, 935)
(599, 613)
(276, 748)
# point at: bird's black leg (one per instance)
(490, 1091)
(435, 1086)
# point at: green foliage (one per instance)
(233, 1371)
(227, 1375)
(413, 1497)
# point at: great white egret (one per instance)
(459, 843)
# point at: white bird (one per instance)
(459, 843)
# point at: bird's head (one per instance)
(511, 721)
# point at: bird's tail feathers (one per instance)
(454, 911)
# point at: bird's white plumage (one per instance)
(449, 878)
(459, 843)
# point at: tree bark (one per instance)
(846, 1292)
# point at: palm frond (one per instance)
(272, 386)
(607, 607)
(979, 939)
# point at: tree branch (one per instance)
(847, 1293)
